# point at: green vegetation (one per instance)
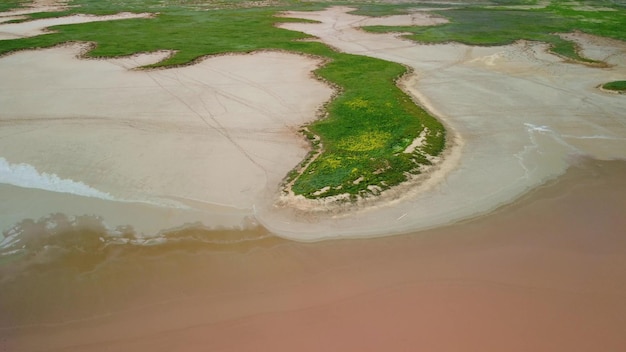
(192, 33)
(501, 25)
(368, 125)
(6, 5)
(358, 148)
(618, 86)
(368, 128)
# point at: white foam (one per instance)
(9, 238)
(594, 137)
(531, 127)
(27, 176)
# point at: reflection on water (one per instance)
(83, 244)
(61, 269)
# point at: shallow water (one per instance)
(545, 273)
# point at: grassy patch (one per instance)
(368, 124)
(368, 127)
(618, 86)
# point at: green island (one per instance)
(359, 144)
(617, 86)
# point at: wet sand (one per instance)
(544, 274)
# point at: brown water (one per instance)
(547, 273)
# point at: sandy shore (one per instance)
(544, 274)
(221, 134)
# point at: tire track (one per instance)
(216, 126)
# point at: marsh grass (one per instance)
(6, 5)
(368, 127)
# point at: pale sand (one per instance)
(39, 27)
(36, 6)
(221, 134)
(545, 274)
(411, 19)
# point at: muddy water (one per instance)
(547, 273)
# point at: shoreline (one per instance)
(545, 271)
(226, 127)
